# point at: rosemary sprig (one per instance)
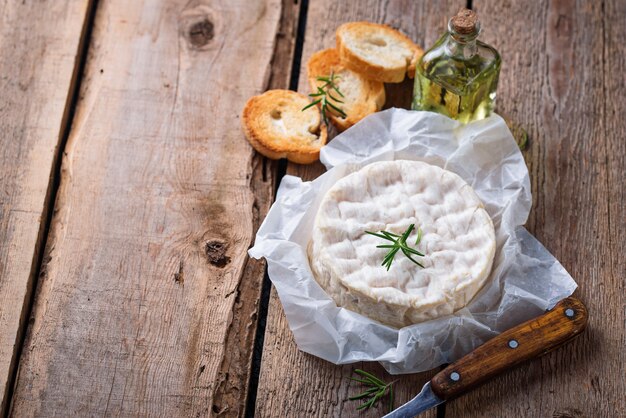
(399, 244)
(323, 94)
(376, 389)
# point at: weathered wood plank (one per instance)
(147, 300)
(39, 48)
(309, 386)
(563, 79)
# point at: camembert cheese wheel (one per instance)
(458, 242)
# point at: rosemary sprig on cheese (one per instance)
(322, 97)
(376, 390)
(399, 244)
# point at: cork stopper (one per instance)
(465, 22)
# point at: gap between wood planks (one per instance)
(66, 127)
(281, 170)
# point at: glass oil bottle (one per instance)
(458, 76)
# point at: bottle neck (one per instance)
(462, 45)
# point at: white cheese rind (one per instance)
(458, 241)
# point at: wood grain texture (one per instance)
(524, 342)
(39, 48)
(293, 383)
(147, 300)
(563, 80)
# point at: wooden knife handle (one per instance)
(531, 339)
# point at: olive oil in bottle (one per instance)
(458, 76)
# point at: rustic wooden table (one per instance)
(129, 196)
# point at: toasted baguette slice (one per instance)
(377, 51)
(276, 126)
(361, 97)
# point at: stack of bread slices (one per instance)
(283, 124)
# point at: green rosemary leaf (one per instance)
(390, 234)
(408, 255)
(365, 382)
(311, 104)
(419, 236)
(337, 109)
(370, 376)
(522, 139)
(389, 258)
(365, 394)
(333, 77)
(379, 395)
(334, 98)
(390, 255)
(338, 92)
(378, 235)
(364, 406)
(414, 251)
(407, 232)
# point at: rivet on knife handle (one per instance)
(517, 345)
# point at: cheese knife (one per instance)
(526, 341)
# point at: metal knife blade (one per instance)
(426, 399)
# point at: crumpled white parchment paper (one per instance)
(525, 280)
